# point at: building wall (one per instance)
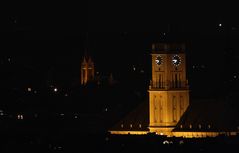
(167, 107)
(129, 132)
(169, 133)
(168, 91)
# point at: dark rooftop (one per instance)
(137, 120)
(209, 115)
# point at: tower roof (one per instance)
(165, 48)
(90, 60)
(84, 60)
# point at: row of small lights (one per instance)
(181, 126)
(131, 126)
(21, 116)
(199, 126)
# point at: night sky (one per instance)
(52, 38)
(45, 108)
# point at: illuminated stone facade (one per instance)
(87, 70)
(168, 90)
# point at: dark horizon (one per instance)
(209, 56)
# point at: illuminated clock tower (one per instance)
(168, 90)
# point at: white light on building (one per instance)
(166, 142)
(20, 116)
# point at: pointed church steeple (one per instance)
(89, 60)
(84, 60)
(87, 66)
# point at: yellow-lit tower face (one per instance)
(168, 90)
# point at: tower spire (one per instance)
(87, 65)
(86, 52)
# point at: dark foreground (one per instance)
(58, 141)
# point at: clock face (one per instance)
(159, 60)
(176, 60)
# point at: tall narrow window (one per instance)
(161, 108)
(176, 81)
(160, 81)
(156, 81)
(155, 110)
(174, 109)
(172, 83)
(179, 81)
(181, 105)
